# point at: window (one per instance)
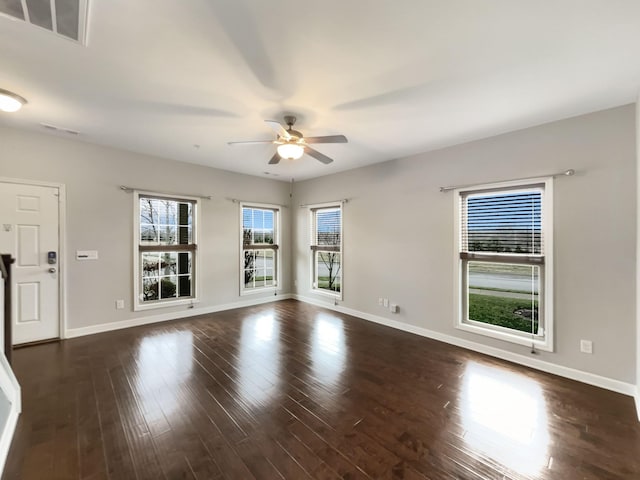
(259, 257)
(166, 247)
(504, 261)
(326, 249)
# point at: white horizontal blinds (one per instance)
(503, 222)
(327, 229)
(258, 227)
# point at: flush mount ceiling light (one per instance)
(10, 102)
(290, 151)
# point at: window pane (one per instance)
(328, 271)
(268, 276)
(150, 265)
(505, 295)
(268, 227)
(148, 234)
(249, 267)
(167, 211)
(184, 214)
(508, 222)
(249, 277)
(168, 263)
(184, 286)
(258, 219)
(328, 226)
(146, 211)
(258, 226)
(168, 234)
(184, 235)
(184, 263)
(168, 287)
(269, 259)
(149, 289)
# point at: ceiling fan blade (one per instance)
(327, 139)
(275, 159)
(317, 155)
(250, 142)
(278, 128)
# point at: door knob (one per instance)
(52, 270)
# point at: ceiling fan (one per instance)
(292, 144)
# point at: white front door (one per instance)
(29, 232)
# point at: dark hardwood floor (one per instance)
(288, 390)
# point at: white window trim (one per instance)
(460, 322)
(137, 304)
(277, 287)
(313, 289)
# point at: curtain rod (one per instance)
(235, 200)
(124, 188)
(342, 200)
(566, 173)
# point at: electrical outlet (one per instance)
(394, 308)
(380, 301)
(586, 346)
(119, 304)
(385, 302)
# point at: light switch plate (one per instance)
(86, 254)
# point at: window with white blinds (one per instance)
(326, 249)
(259, 251)
(503, 245)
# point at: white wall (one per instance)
(398, 234)
(100, 217)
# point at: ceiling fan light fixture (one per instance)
(290, 151)
(10, 102)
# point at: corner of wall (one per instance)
(637, 395)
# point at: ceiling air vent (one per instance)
(64, 17)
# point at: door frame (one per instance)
(62, 228)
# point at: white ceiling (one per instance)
(395, 77)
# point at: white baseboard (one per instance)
(10, 387)
(567, 372)
(164, 317)
(637, 397)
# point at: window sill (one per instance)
(544, 345)
(255, 291)
(326, 293)
(172, 303)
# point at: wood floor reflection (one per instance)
(288, 390)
